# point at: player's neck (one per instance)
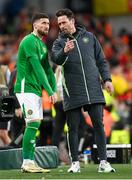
(36, 34)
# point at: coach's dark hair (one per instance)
(65, 12)
(38, 16)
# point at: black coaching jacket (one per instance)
(82, 68)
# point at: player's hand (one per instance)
(53, 98)
(109, 87)
(69, 45)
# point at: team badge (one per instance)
(44, 49)
(30, 112)
(85, 39)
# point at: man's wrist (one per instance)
(107, 80)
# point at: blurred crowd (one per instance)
(118, 51)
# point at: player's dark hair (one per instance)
(38, 16)
(65, 12)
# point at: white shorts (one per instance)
(31, 105)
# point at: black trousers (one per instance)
(95, 112)
(60, 121)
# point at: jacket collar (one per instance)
(79, 31)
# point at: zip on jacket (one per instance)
(84, 77)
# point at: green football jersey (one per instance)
(33, 70)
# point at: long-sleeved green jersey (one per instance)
(33, 70)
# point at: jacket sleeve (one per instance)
(101, 61)
(58, 56)
(50, 74)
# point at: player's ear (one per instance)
(34, 25)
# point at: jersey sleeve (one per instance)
(30, 48)
(32, 56)
(50, 74)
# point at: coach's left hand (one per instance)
(109, 87)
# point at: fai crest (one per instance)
(44, 49)
(30, 112)
(85, 39)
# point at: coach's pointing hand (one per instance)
(69, 45)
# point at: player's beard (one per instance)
(43, 33)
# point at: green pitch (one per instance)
(123, 171)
